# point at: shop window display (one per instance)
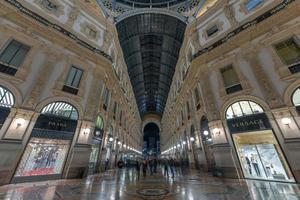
(261, 157)
(43, 157)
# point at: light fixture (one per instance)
(111, 139)
(119, 143)
(86, 131)
(184, 142)
(20, 122)
(178, 145)
(192, 139)
(205, 133)
(216, 131)
(97, 133)
(124, 145)
(286, 121)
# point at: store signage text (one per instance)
(56, 123)
(249, 123)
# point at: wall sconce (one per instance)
(286, 121)
(20, 122)
(178, 145)
(86, 131)
(111, 139)
(124, 145)
(184, 142)
(192, 139)
(205, 133)
(97, 133)
(216, 131)
(119, 143)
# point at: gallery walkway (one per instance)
(123, 184)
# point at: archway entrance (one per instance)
(151, 140)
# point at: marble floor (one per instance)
(123, 184)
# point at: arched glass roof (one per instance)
(151, 44)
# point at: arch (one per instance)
(254, 99)
(295, 98)
(62, 109)
(99, 123)
(47, 101)
(16, 93)
(7, 99)
(289, 91)
(242, 108)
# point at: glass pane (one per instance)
(19, 56)
(61, 109)
(229, 113)
(43, 157)
(71, 76)
(230, 77)
(6, 98)
(252, 4)
(246, 108)
(256, 108)
(296, 97)
(77, 78)
(261, 157)
(237, 110)
(10, 51)
(288, 51)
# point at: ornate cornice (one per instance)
(56, 27)
(244, 26)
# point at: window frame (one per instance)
(4, 49)
(234, 116)
(73, 79)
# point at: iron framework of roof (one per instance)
(151, 43)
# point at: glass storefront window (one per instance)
(261, 157)
(43, 157)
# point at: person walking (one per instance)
(137, 167)
(171, 165)
(155, 165)
(166, 172)
(144, 168)
(106, 164)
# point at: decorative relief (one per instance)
(51, 6)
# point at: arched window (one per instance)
(61, 109)
(296, 97)
(243, 108)
(99, 123)
(6, 98)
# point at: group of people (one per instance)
(168, 165)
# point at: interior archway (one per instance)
(151, 140)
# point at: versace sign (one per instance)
(249, 123)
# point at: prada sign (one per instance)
(249, 123)
(55, 123)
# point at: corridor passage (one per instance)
(123, 184)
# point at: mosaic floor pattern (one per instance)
(124, 185)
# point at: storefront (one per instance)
(258, 150)
(7, 101)
(207, 143)
(94, 160)
(49, 143)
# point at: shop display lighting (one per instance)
(286, 121)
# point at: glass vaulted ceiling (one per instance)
(151, 44)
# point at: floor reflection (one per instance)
(123, 184)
